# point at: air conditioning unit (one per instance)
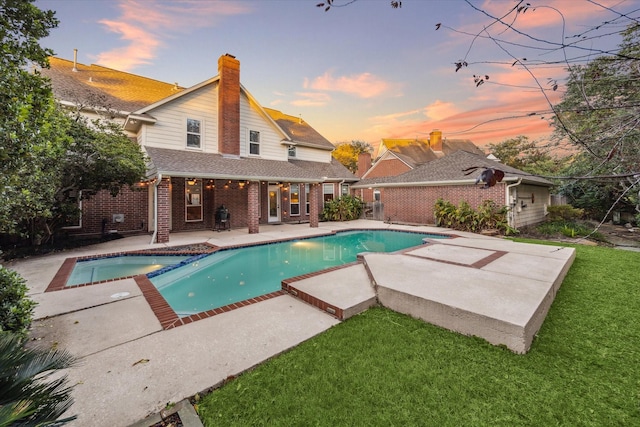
(118, 217)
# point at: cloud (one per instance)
(144, 25)
(482, 125)
(311, 99)
(364, 85)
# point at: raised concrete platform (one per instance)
(495, 289)
(342, 292)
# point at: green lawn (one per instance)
(384, 368)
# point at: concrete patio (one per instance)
(131, 367)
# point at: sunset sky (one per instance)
(364, 71)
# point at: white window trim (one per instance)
(249, 143)
(200, 204)
(291, 198)
(186, 133)
(307, 192)
(333, 191)
(295, 153)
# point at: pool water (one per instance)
(234, 275)
(96, 270)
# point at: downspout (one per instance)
(155, 208)
(512, 205)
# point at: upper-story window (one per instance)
(194, 133)
(254, 142)
(292, 151)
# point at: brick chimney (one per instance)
(229, 105)
(364, 164)
(435, 140)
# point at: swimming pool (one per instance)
(238, 274)
(107, 268)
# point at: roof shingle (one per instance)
(451, 169)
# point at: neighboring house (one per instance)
(410, 197)
(208, 145)
(397, 156)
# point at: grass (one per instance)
(384, 368)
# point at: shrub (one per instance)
(16, 309)
(564, 213)
(345, 208)
(28, 395)
(464, 218)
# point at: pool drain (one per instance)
(120, 295)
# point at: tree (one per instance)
(526, 155)
(599, 114)
(81, 159)
(347, 153)
(25, 98)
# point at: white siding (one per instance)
(270, 139)
(313, 155)
(170, 129)
(528, 212)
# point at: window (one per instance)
(327, 192)
(294, 199)
(194, 133)
(254, 142)
(306, 197)
(193, 199)
(292, 151)
(345, 190)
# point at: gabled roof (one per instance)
(216, 166)
(102, 87)
(299, 131)
(448, 170)
(416, 152)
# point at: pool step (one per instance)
(341, 292)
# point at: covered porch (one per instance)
(187, 188)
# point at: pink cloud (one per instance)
(482, 125)
(364, 85)
(143, 25)
(311, 99)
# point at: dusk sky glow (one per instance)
(360, 72)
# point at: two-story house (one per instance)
(208, 146)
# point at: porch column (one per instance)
(162, 210)
(253, 214)
(314, 202)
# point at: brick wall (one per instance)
(415, 204)
(178, 204)
(132, 202)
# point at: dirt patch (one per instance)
(611, 235)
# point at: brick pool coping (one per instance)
(169, 319)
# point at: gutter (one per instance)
(425, 183)
(507, 191)
(155, 208)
